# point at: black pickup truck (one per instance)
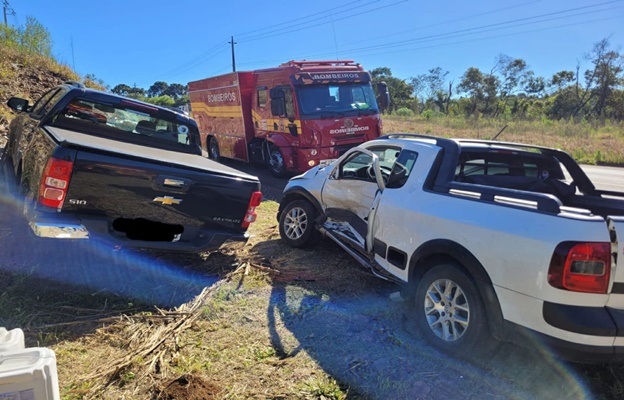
(89, 164)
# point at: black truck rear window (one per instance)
(129, 121)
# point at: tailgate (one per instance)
(616, 228)
(126, 187)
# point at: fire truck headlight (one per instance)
(311, 163)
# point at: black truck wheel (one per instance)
(213, 149)
(296, 224)
(8, 180)
(449, 313)
(275, 161)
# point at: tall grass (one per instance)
(587, 142)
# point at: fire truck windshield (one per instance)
(336, 99)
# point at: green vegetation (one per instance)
(32, 38)
(511, 92)
(160, 93)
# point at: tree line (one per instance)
(160, 93)
(511, 89)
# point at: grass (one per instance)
(588, 143)
(280, 324)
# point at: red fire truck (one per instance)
(292, 117)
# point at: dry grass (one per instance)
(587, 143)
(110, 347)
(254, 334)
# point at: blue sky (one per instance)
(139, 42)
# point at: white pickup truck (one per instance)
(488, 239)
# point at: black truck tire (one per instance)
(275, 161)
(213, 149)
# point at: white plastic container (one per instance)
(29, 374)
(11, 340)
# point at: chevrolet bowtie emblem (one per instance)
(168, 200)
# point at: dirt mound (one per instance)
(28, 76)
(187, 387)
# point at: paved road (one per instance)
(271, 186)
(606, 178)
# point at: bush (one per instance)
(32, 38)
(404, 112)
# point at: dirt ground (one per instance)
(301, 324)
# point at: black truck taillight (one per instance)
(55, 182)
(250, 215)
(581, 267)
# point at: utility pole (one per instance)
(5, 5)
(232, 42)
(5, 9)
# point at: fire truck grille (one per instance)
(349, 137)
(342, 148)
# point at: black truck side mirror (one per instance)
(18, 104)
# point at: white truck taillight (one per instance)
(55, 182)
(581, 267)
(250, 216)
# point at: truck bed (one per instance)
(137, 193)
(601, 203)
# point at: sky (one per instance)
(139, 42)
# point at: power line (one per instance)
(461, 31)
(497, 36)
(471, 31)
(211, 53)
(207, 55)
(420, 28)
(286, 30)
(299, 19)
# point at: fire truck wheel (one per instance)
(214, 149)
(275, 162)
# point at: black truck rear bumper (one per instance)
(53, 226)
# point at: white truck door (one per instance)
(349, 193)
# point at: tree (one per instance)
(513, 76)
(429, 88)
(562, 79)
(400, 91)
(157, 89)
(122, 89)
(472, 84)
(607, 74)
(163, 100)
(184, 99)
(31, 38)
(176, 90)
(136, 93)
(491, 84)
(596, 96)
